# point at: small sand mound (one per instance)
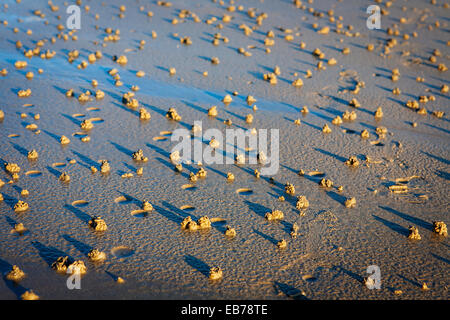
(244, 191)
(78, 115)
(165, 133)
(122, 199)
(14, 135)
(188, 186)
(92, 109)
(122, 251)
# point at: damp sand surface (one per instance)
(334, 245)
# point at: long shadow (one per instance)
(332, 48)
(72, 119)
(195, 107)
(48, 254)
(443, 160)
(121, 106)
(393, 226)
(122, 149)
(353, 275)
(220, 173)
(21, 150)
(112, 94)
(311, 125)
(414, 283)
(182, 214)
(18, 189)
(357, 45)
(168, 214)
(9, 200)
(306, 62)
(235, 115)
(337, 197)
(289, 291)
(130, 199)
(112, 275)
(368, 126)
(443, 174)
(441, 258)
(330, 110)
(205, 58)
(338, 100)
(80, 246)
(53, 171)
(258, 75)
(290, 106)
(422, 223)
(10, 221)
(214, 95)
(52, 135)
(257, 208)
(341, 159)
(60, 90)
(154, 108)
(401, 103)
(383, 69)
(128, 166)
(88, 161)
(384, 88)
(322, 116)
(16, 288)
(84, 217)
(443, 96)
(438, 128)
(171, 166)
(197, 264)
(265, 236)
(159, 150)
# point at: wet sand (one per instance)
(149, 250)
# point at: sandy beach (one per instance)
(399, 175)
